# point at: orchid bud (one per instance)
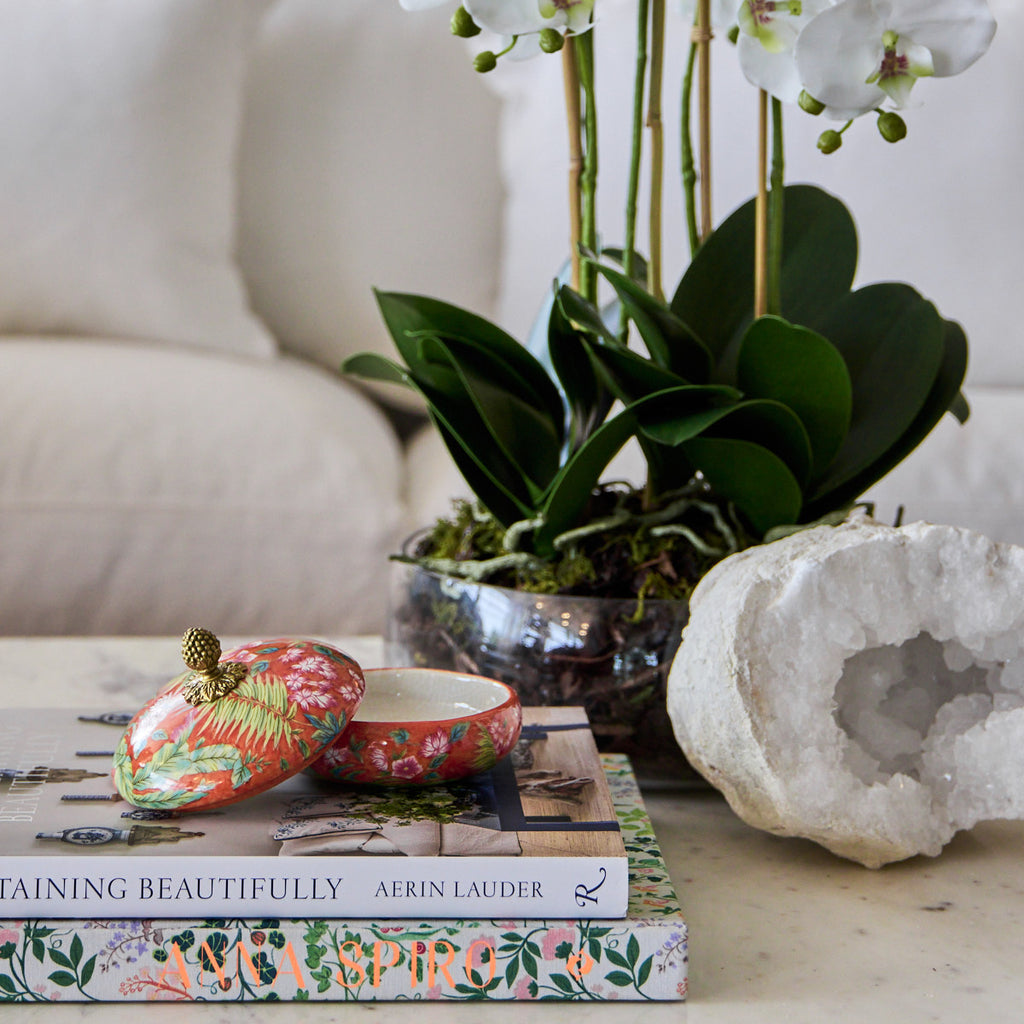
(463, 24)
(829, 141)
(551, 40)
(485, 61)
(809, 104)
(892, 126)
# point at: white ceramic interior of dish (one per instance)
(426, 695)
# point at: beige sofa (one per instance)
(196, 197)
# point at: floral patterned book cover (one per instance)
(535, 836)
(643, 957)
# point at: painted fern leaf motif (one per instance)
(257, 712)
(122, 769)
(170, 762)
(328, 727)
(218, 757)
(484, 755)
(167, 801)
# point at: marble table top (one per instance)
(780, 930)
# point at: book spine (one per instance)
(342, 961)
(330, 887)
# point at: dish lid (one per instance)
(235, 724)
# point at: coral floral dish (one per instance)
(419, 726)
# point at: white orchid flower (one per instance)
(769, 30)
(520, 17)
(855, 55)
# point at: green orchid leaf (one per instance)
(410, 316)
(893, 342)
(618, 256)
(943, 397)
(671, 344)
(371, 366)
(491, 475)
(667, 419)
(716, 295)
(429, 363)
(587, 398)
(959, 407)
(805, 372)
(486, 409)
(578, 310)
(497, 485)
(571, 489)
(628, 374)
(768, 424)
(673, 416)
(756, 480)
(526, 437)
(506, 499)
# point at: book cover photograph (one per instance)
(536, 836)
(315, 957)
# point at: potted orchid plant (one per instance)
(765, 391)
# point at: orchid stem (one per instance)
(657, 128)
(584, 45)
(633, 189)
(571, 82)
(776, 213)
(703, 37)
(761, 211)
(689, 174)
(640, 76)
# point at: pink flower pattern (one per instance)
(309, 695)
(406, 768)
(553, 939)
(317, 664)
(435, 744)
(411, 753)
(522, 989)
(503, 731)
(378, 757)
(337, 756)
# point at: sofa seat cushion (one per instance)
(147, 488)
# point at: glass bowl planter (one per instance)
(602, 653)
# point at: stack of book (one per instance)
(540, 879)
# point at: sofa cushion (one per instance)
(368, 158)
(117, 170)
(146, 488)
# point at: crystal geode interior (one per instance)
(862, 686)
(899, 703)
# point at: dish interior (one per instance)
(421, 695)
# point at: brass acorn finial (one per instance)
(200, 649)
(209, 679)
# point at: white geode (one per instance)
(860, 685)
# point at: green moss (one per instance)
(407, 805)
(656, 552)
